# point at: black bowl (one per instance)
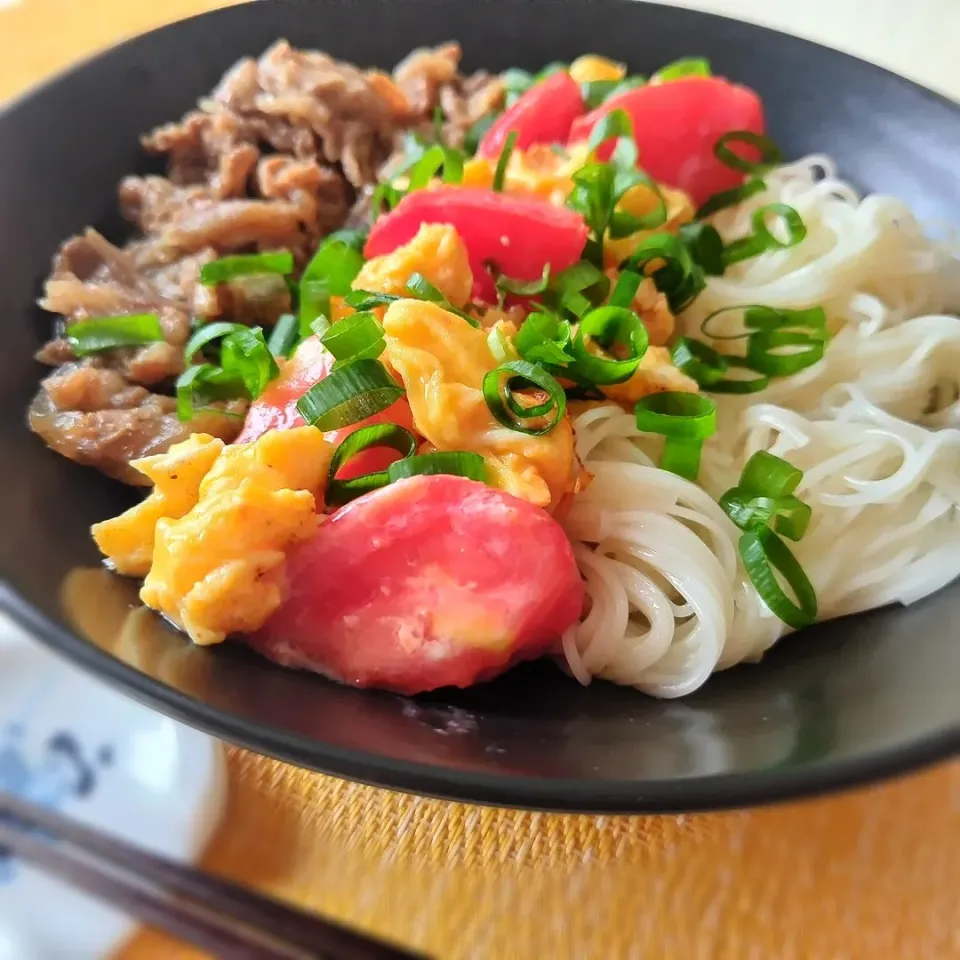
(837, 705)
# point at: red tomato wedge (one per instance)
(430, 582)
(544, 114)
(677, 124)
(276, 409)
(519, 234)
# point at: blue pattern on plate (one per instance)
(62, 772)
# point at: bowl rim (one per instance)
(668, 795)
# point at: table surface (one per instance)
(872, 874)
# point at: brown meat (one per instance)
(97, 420)
(275, 158)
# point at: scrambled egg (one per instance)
(127, 541)
(216, 534)
(442, 361)
(656, 374)
(591, 67)
(436, 251)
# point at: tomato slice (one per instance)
(519, 234)
(544, 114)
(430, 582)
(276, 409)
(677, 124)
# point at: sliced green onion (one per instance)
(594, 92)
(369, 299)
(544, 338)
(609, 327)
(106, 333)
(284, 335)
(472, 138)
(421, 288)
(705, 245)
(349, 394)
(385, 195)
(792, 518)
(743, 382)
(500, 390)
(699, 361)
(201, 384)
(680, 279)
(355, 337)
(500, 173)
(687, 67)
(790, 515)
(456, 464)
(624, 224)
(330, 273)
(435, 159)
(760, 318)
(767, 475)
(805, 352)
(628, 283)
(730, 198)
(522, 288)
(616, 123)
(389, 435)
(762, 238)
(206, 334)
(351, 236)
(763, 552)
(555, 66)
(770, 154)
(245, 356)
(628, 83)
(245, 264)
(685, 420)
(579, 288)
(688, 416)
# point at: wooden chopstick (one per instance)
(208, 912)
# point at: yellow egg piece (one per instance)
(656, 374)
(436, 252)
(127, 541)
(211, 538)
(591, 67)
(442, 361)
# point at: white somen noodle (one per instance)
(872, 425)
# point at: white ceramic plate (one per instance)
(68, 742)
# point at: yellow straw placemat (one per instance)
(871, 875)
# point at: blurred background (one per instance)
(916, 39)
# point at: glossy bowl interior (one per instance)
(836, 705)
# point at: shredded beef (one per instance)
(283, 151)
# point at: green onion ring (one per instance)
(498, 392)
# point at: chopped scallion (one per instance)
(284, 335)
(502, 391)
(685, 420)
(611, 328)
(389, 435)
(349, 394)
(500, 172)
(245, 264)
(106, 333)
(679, 69)
(763, 552)
(457, 464)
(355, 337)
